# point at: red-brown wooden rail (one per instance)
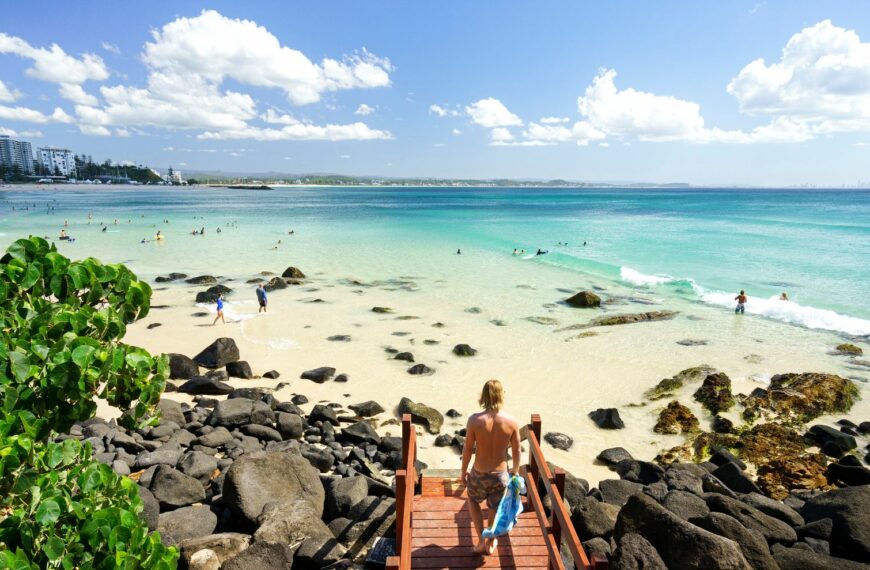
(434, 530)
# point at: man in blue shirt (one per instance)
(261, 297)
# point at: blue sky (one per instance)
(616, 91)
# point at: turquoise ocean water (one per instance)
(697, 244)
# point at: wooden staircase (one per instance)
(434, 528)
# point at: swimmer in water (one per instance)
(784, 296)
(458, 252)
(741, 302)
(105, 228)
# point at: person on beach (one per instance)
(741, 302)
(784, 296)
(261, 297)
(489, 435)
(220, 310)
(458, 252)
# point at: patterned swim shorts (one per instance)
(487, 486)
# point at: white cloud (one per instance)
(554, 120)
(581, 132)
(439, 145)
(758, 6)
(364, 110)
(491, 113)
(77, 94)
(443, 111)
(456, 132)
(352, 131)
(271, 116)
(28, 115)
(822, 81)
(861, 143)
(95, 130)
(604, 144)
(112, 48)
(345, 156)
(500, 134)
(8, 95)
(22, 134)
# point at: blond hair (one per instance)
(492, 396)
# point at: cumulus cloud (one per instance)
(28, 115)
(821, 81)
(500, 134)
(300, 131)
(581, 132)
(364, 110)
(492, 113)
(22, 134)
(554, 120)
(443, 111)
(8, 95)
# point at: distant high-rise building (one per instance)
(16, 153)
(54, 160)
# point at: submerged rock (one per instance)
(607, 418)
(632, 318)
(464, 350)
(676, 418)
(801, 397)
(715, 393)
(584, 299)
(669, 386)
(849, 348)
(293, 273)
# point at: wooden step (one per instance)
(454, 531)
(470, 540)
(451, 562)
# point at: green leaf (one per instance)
(20, 366)
(54, 456)
(48, 512)
(81, 356)
(54, 548)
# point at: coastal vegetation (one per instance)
(61, 322)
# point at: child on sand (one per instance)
(220, 310)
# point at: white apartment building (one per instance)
(53, 159)
(16, 153)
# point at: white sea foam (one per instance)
(790, 312)
(635, 277)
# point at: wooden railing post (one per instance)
(407, 427)
(401, 487)
(559, 476)
(534, 427)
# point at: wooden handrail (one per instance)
(549, 539)
(406, 479)
(561, 521)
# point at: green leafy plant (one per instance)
(61, 322)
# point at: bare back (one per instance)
(493, 433)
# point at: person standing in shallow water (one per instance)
(489, 434)
(261, 297)
(741, 302)
(220, 310)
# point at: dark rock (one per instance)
(720, 456)
(428, 417)
(802, 397)
(263, 433)
(803, 559)
(381, 310)
(837, 442)
(607, 418)
(181, 367)
(239, 369)
(275, 284)
(774, 508)
(685, 505)
(773, 529)
(617, 491)
(592, 518)
(685, 477)
(341, 378)
(290, 426)
(634, 552)
(598, 547)
(848, 509)
(293, 273)
(262, 556)
(220, 436)
(850, 349)
(202, 280)
(170, 411)
(722, 425)
(731, 475)
(632, 318)
(419, 369)
(559, 440)
(339, 338)
(715, 393)
(263, 477)
(367, 409)
(173, 488)
(167, 454)
(343, 495)
(692, 342)
(257, 394)
(444, 440)
(289, 522)
(451, 413)
(271, 374)
(319, 459)
(240, 411)
(321, 413)
(187, 522)
(360, 433)
(614, 455)
(218, 354)
(224, 546)
(406, 356)
(820, 529)
(643, 472)
(669, 386)
(751, 542)
(318, 552)
(464, 350)
(584, 300)
(197, 464)
(679, 543)
(319, 375)
(848, 475)
(150, 508)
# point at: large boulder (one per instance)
(241, 411)
(715, 393)
(464, 350)
(182, 367)
(290, 426)
(592, 518)
(634, 552)
(170, 411)
(360, 433)
(751, 542)
(205, 385)
(150, 508)
(685, 505)
(262, 556)
(802, 397)
(584, 300)
(198, 465)
(218, 354)
(166, 454)
(617, 491)
(613, 455)
(848, 508)
(735, 479)
(772, 529)
(255, 479)
(293, 273)
(607, 418)
(319, 375)
(275, 283)
(776, 509)
(805, 559)
(173, 488)
(367, 409)
(289, 522)
(318, 552)
(240, 369)
(186, 522)
(679, 543)
(428, 417)
(669, 386)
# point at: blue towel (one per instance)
(509, 508)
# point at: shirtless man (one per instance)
(741, 302)
(491, 432)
